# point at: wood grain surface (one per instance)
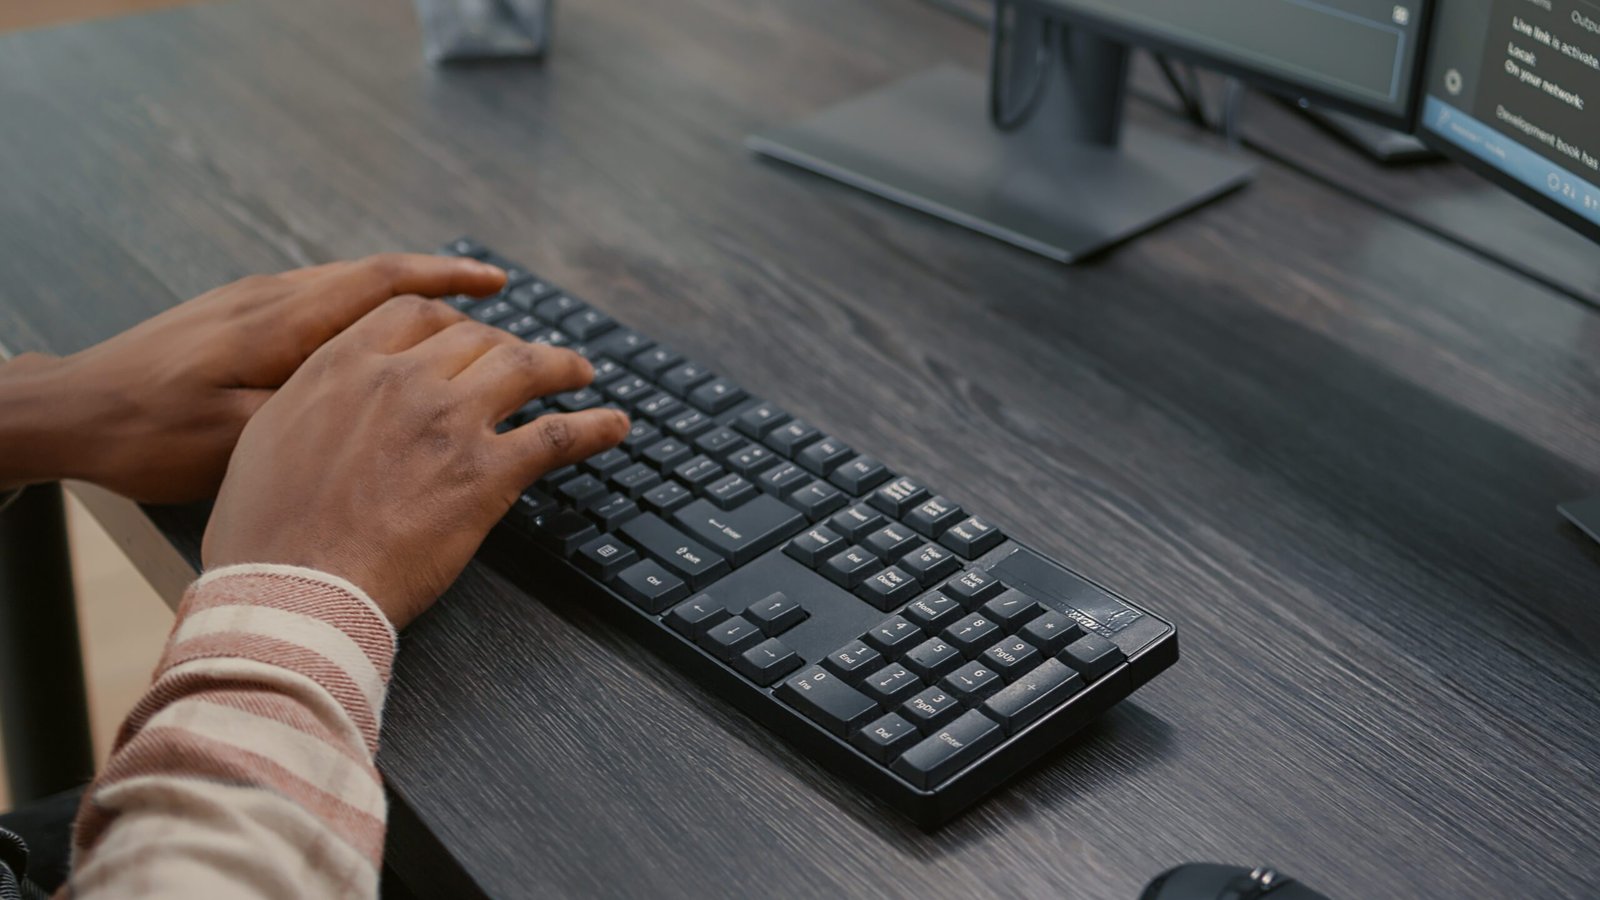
(1324, 443)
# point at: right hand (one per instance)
(378, 460)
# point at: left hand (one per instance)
(154, 412)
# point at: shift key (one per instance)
(744, 533)
(686, 558)
(825, 699)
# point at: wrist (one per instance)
(41, 438)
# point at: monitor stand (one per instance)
(1385, 145)
(1068, 183)
(1585, 514)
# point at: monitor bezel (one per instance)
(1403, 119)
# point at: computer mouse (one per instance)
(1210, 881)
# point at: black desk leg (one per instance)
(44, 707)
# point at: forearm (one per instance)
(41, 437)
(247, 769)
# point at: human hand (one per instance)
(154, 412)
(378, 460)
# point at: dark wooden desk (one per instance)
(1327, 445)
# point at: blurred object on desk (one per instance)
(459, 30)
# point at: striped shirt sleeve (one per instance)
(247, 768)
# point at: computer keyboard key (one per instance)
(1033, 694)
(716, 396)
(886, 738)
(972, 633)
(565, 531)
(695, 616)
(972, 537)
(973, 587)
(816, 500)
(461, 302)
(587, 324)
(930, 564)
(730, 637)
(930, 708)
(697, 472)
(1011, 657)
(730, 491)
(1092, 655)
(854, 661)
(888, 589)
(814, 546)
(683, 378)
(767, 661)
(606, 371)
(665, 497)
(611, 511)
(606, 463)
(640, 435)
(932, 611)
(673, 549)
(650, 587)
(850, 566)
(581, 492)
(890, 542)
(791, 437)
(550, 336)
(659, 406)
(857, 476)
(605, 557)
(1051, 632)
(755, 422)
(689, 424)
(465, 246)
(621, 344)
(742, 533)
(948, 750)
(554, 309)
(530, 507)
(581, 399)
(556, 476)
(857, 522)
(528, 294)
(522, 325)
(629, 388)
(654, 361)
(493, 312)
(824, 455)
(752, 461)
(826, 699)
(933, 517)
(891, 685)
(718, 443)
(776, 613)
(932, 658)
(1012, 608)
(666, 454)
(783, 479)
(635, 480)
(894, 636)
(898, 496)
(973, 682)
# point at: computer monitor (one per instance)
(1513, 91)
(1037, 153)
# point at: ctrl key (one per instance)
(825, 699)
(948, 750)
(650, 587)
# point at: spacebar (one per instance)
(741, 534)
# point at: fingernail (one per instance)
(485, 268)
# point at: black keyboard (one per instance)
(894, 634)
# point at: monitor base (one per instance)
(925, 143)
(1585, 514)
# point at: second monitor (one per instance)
(1037, 153)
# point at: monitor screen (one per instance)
(1508, 90)
(1358, 54)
